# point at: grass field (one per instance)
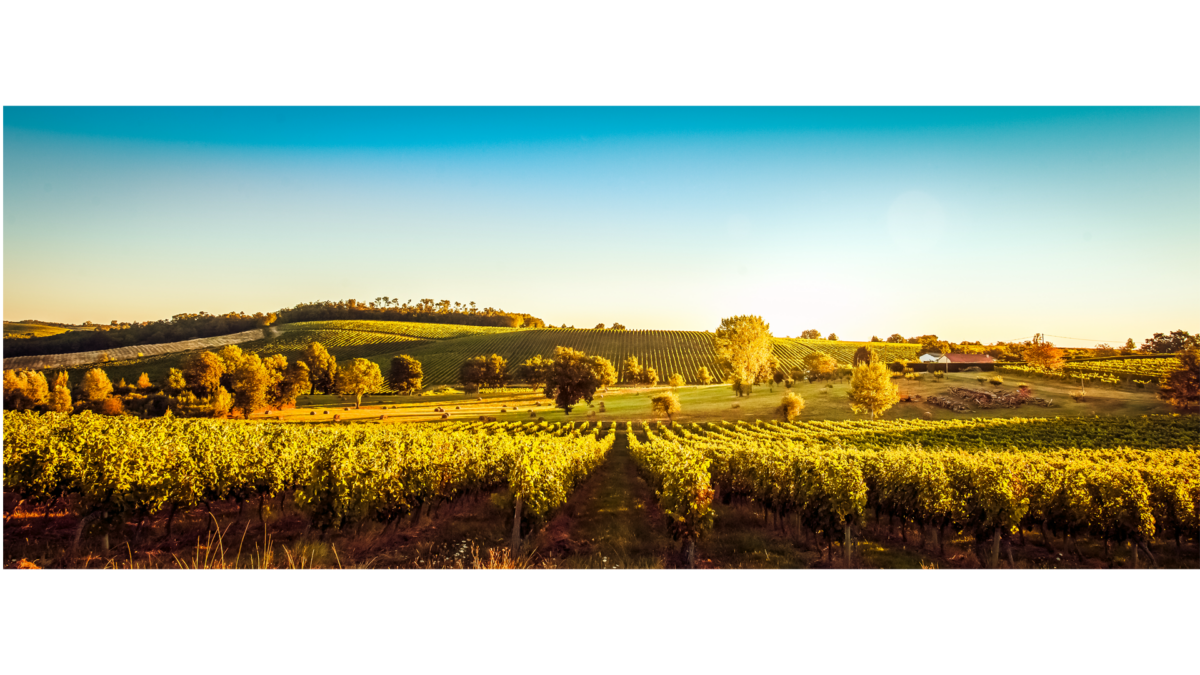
(13, 329)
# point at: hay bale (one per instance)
(532, 414)
(324, 412)
(337, 418)
(382, 416)
(445, 416)
(457, 407)
(928, 415)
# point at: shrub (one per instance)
(112, 406)
(1078, 394)
(939, 375)
(996, 380)
(791, 406)
(981, 379)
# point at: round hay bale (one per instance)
(337, 418)
(479, 399)
(457, 407)
(532, 414)
(928, 415)
(324, 412)
(503, 410)
(312, 412)
(445, 416)
(382, 416)
(483, 418)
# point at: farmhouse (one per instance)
(931, 357)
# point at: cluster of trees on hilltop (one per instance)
(176, 329)
(425, 311)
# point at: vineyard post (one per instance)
(846, 546)
(516, 531)
(994, 561)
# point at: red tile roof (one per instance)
(970, 358)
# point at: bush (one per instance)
(791, 406)
(1079, 395)
(996, 380)
(939, 375)
(112, 406)
(981, 379)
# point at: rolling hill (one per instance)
(442, 348)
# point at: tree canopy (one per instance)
(322, 367)
(1175, 341)
(203, 371)
(744, 346)
(483, 371)
(1182, 387)
(250, 382)
(534, 371)
(572, 377)
(872, 389)
(405, 374)
(896, 338)
(666, 404)
(811, 334)
(95, 385)
(358, 377)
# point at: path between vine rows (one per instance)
(612, 520)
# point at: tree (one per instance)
(791, 406)
(872, 389)
(812, 334)
(572, 378)
(649, 376)
(25, 389)
(534, 371)
(744, 346)
(358, 377)
(819, 366)
(60, 399)
(483, 371)
(875, 338)
(676, 381)
(175, 381)
(1129, 344)
(285, 381)
(1045, 355)
(617, 326)
(665, 404)
(222, 402)
(768, 370)
(599, 326)
(232, 357)
(605, 371)
(250, 382)
(143, 382)
(203, 372)
(1182, 387)
(496, 374)
(832, 337)
(61, 379)
(472, 374)
(631, 371)
(704, 376)
(322, 367)
(1175, 341)
(405, 374)
(862, 355)
(95, 386)
(896, 338)
(1103, 350)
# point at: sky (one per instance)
(968, 223)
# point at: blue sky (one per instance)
(971, 223)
